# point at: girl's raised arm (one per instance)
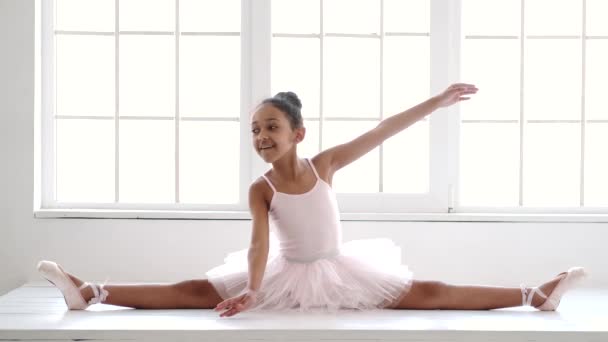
(344, 154)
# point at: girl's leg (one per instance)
(430, 295)
(189, 294)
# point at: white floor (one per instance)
(37, 312)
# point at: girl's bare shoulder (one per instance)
(260, 187)
(323, 165)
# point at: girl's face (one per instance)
(271, 133)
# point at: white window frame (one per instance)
(437, 205)
(553, 214)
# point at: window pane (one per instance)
(147, 75)
(406, 160)
(295, 67)
(491, 17)
(596, 164)
(596, 74)
(309, 147)
(147, 161)
(552, 155)
(84, 15)
(85, 160)
(596, 17)
(147, 15)
(210, 76)
(553, 17)
(489, 164)
(407, 16)
(85, 75)
(351, 16)
(306, 21)
(361, 176)
(494, 66)
(352, 77)
(209, 162)
(210, 15)
(405, 58)
(552, 79)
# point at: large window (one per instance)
(536, 135)
(352, 71)
(143, 103)
(146, 104)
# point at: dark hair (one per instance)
(289, 103)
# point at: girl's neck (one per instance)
(290, 168)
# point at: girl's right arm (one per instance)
(257, 256)
(258, 250)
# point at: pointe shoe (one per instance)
(572, 278)
(71, 293)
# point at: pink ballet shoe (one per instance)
(71, 293)
(572, 278)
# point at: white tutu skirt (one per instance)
(365, 275)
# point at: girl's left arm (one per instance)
(344, 154)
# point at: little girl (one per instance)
(311, 269)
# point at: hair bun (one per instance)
(290, 97)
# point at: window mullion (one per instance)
(453, 117)
(47, 127)
(521, 101)
(381, 147)
(321, 73)
(257, 37)
(445, 61)
(116, 103)
(177, 117)
(583, 100)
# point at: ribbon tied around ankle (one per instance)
(99, 293)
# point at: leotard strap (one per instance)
(270, 183)
(313, 167)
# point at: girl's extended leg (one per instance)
(430, 295)
(189, 294)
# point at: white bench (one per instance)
(36, 312)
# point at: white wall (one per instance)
(16, 109)
(170, 250)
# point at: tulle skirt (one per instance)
(364, 275)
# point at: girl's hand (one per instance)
(454, 94)
(236, 304)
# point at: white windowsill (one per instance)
(36, 311)
(244, 215)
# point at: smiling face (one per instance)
(272, 135)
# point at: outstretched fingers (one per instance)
(233, 311)
(227, 304)
(223, 304)
(461, 85)
(462, 91)
(234, 305)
